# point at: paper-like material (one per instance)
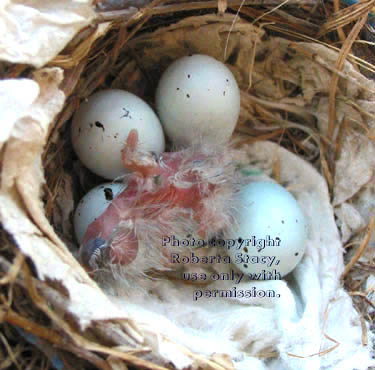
(34, 32)
(22, 211)
(16, 96)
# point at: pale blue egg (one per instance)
(93, 204)
(271, 234)
(198, 98)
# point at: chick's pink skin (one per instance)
(132, 203)
(104, 226)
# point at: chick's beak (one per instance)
(93, 254)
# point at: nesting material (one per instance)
(44, 28)
(311, 322)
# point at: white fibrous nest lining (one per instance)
(284, 85)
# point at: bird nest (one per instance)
(307, 121)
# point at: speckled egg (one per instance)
(93, 204)
(272, 232)
(101, 125)
(198, 97)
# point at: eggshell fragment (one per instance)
(198, 97)
(93, 204)
(102, 124)
(270, 224)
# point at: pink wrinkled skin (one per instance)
(192, 189)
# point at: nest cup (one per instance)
(303, 108)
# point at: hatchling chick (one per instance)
(189, 193)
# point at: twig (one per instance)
(361, 249)
(285, 2)
(126, 14)
(12, 356)
(231, 28)
(79, 341)
(12, 274)
(346, 47)
(340, 31)
(345, 16)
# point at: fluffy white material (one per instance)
(311, 325)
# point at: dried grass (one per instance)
(91, 61)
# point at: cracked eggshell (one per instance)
(198, 97)
(268, 210)
(101, 125)
(93, 204)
